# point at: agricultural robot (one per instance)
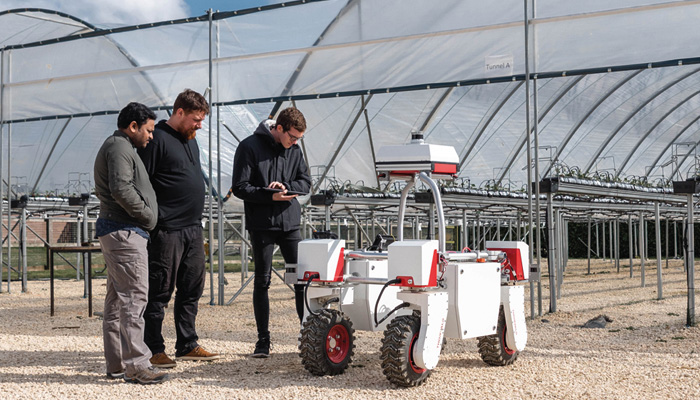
(414, 291)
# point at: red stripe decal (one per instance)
(432, 279)
(339, 268)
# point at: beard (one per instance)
(189, 135)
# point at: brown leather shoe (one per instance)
(161, 360)
(199, 354)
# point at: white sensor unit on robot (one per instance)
(415, 157)
(325, 257)
(414, 262)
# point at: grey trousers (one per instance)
(127, 295)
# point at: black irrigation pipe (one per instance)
(102, 32)
(408, 88)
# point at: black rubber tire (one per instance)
(321, 337)
(493, 349)
(397, 358)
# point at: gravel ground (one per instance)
(646, 352)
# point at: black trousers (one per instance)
(175, 261)
(263, 245)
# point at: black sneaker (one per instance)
(262, 348)
(115, 375)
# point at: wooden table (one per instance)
(88, 276)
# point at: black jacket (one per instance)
(260, 160)
(173, 166)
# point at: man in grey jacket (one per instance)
(128, 210)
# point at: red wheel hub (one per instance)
(337, 344)
(414, 367)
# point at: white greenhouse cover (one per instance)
(615, 84)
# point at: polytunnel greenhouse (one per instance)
(596, 101)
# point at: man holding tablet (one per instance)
(267, 168)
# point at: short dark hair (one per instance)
(290, 118)
(134, 112)
(189, 101)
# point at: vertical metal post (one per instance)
(9, 207)
(659, 285)
(631, 242)
(690, 262)
(666, 237)
(220, 212)
(221, 235)
(477, 237)
(560, 254)
(641, 246)
(685, 253)
(589, 245)
(597, 241)
(78, 256)
(23, 238)
(244, 251)
(211, 172)
(465, 229)
(498, 229)
(2, 134)
(617, 244)
(510, 229)
(551, 256)
(85, 238)
(566, 241)
(675, 239)
(602, 235)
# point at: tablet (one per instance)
(288, 191)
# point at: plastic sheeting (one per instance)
(452, 69)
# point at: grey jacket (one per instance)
(122, 184)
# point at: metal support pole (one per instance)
(566, 242)
(552, 258)
(617, 244)
(23, 238)
(597, 241)
(210, 174)
(9, 208)
(659, 285)
(78, 256)
(675, 239)
(602, 236)
(560, 253)
(666, 226)
(641, 246)
(631, 242)
(220, 198)
(2, 134)
(690, 262)
(477, 237)
(589, 245)
(465, 229)
(244, 251)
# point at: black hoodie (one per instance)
(173, 165)
(259, 161)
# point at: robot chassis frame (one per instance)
(416, 293)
